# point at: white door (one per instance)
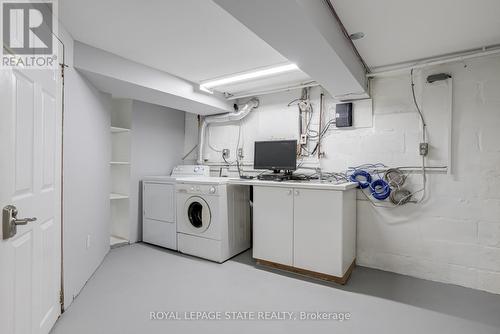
(273, 224)
(159, 201)
(317, 231)
(158, 221)
(30, 160)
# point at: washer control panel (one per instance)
(191, 170)
(198, 189)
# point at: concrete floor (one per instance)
(138, 279)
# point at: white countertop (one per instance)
(204, 180)
(314, 184)
(159, 178)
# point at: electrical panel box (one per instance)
(343, 115)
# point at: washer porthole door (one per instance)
(198, 214)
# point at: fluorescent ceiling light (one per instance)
(205, 86)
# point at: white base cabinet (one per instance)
(309, 229)
(273, 224)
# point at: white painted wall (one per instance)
(87, 149)
(157, 139)
(454, 236)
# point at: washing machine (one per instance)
(213, 218)
(159, 224)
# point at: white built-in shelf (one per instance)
(120, 169)
(117, 196)
(115, 129)
(117, 241)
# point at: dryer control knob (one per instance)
(192, 188)
(211, 190)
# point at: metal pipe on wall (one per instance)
(435, 61)
(346, 34)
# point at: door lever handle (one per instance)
(10, 221)
(23, 221)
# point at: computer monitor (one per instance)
(275, 155)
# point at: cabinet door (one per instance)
(158, 201)
(318, 231)
(273, 224)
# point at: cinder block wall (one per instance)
(454, 235)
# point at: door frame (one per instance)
(62, 68)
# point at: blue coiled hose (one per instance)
(355, 177)
(380, 189)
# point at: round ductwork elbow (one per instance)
(220, 119)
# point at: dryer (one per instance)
(213, 218)
(159, 224)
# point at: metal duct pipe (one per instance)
(224, 118)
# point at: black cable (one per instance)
(322, 134)
(327, 127)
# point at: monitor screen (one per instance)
(275, 155)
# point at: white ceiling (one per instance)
(405, 30)
(197, 40)
(287, 79)
(192, 39)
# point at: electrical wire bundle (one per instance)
(424, 138)
(396, 179)
(382, 186)
(362, 177)
(338, 177)
(379, 189)
(401, 196)
(305, 118)
(391, 183)
(305, 121)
